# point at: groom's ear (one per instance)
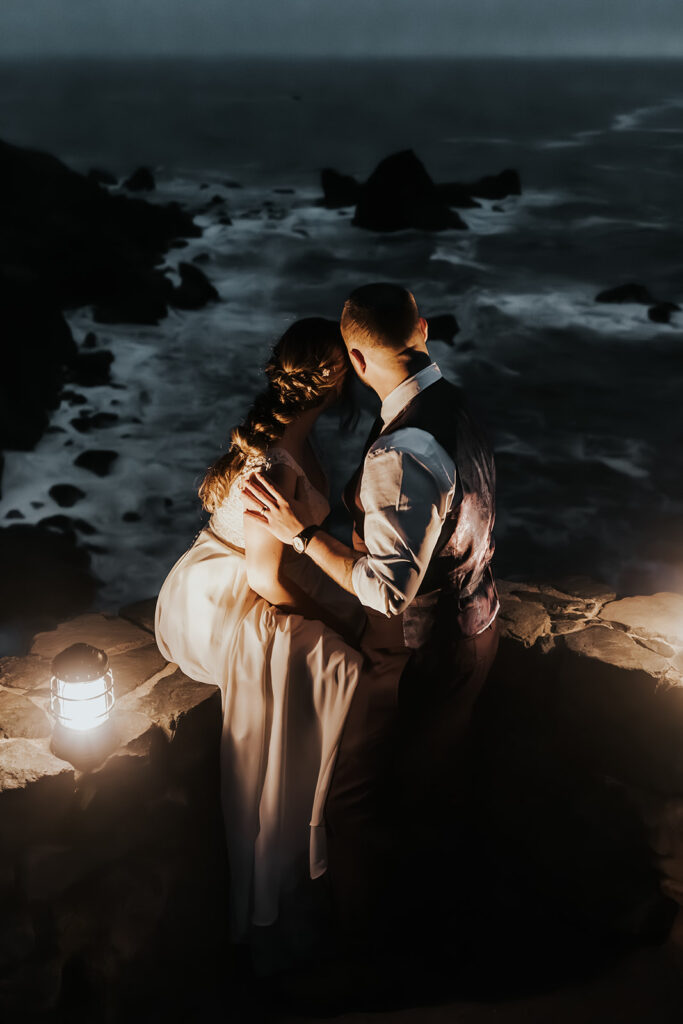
(424, 327)
(358, 361)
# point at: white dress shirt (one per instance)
(406, 490)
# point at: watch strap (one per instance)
(307, 533)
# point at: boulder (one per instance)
(98, 461)
(338, 189)
(400, 194)
(62, 522)
(66, 495)
(629, 292)
(496, 186)
(194, 290)
(661, 312)
(412, 199)
(85, 422)
(443, 327)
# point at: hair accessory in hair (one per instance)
(326, 372)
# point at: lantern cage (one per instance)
(81, 688)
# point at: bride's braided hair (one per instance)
(308, 362)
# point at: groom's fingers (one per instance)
(264, 483)
(256, 515)
(259, 493)
(257, 502)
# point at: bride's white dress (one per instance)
(286, 685)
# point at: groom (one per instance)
(423, 508)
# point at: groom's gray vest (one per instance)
(458, 592)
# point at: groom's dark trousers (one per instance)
(400, 766)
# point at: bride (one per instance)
(243, 611)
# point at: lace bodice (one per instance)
(227, 520)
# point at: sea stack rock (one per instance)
(400, 194)
(629, 292)
(339, 189)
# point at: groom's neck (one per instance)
(403, 366)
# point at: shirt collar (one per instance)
(397, 399)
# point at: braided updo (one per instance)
(308, 363)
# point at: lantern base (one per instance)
(84, 748)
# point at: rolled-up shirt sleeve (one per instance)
(406, 491)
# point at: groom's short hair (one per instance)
(380, 314)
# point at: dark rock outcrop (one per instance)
(45, 575)
(66, 242)
(67, 237)
(36, 347)
(98, 461)
(578, 744)
(629, 292)
(339, 189)
(443, 327)
(194, 290)
(94, 421)
(66, 495)
(90, 369)
(400, 194)
(661, 312)
(496, 186)
(141, 180)
(101, 177)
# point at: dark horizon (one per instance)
(617, 58)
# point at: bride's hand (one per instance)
(285, 519)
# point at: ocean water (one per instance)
(582, 400)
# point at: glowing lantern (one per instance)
(81, 688)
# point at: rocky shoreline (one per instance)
(66, 241)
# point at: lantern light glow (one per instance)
(81, 687)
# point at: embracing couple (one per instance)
(348, 673)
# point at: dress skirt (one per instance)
(286, 684)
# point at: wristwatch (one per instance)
(300, 542)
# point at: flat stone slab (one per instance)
(23, 763)
(135, 666)
(659, 615)
(141, 613)
(174, 697)
(614, 647)
(19, 716)
(111, 634)
(25, 673)
(523, 620)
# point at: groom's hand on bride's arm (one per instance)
(285, 519)
(263, 500)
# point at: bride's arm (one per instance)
(265, 569)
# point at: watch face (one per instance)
(298, 544)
